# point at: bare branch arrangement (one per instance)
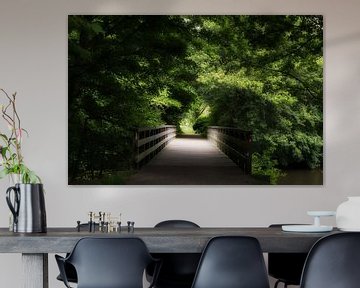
(11, 157)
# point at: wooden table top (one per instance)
(158, 240)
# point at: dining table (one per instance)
(35, 247)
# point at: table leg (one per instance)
(35, 270)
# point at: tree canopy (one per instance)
(258, 73)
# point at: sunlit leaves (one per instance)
(163, 99)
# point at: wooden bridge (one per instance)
(164, 159)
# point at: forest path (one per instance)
(191, 161)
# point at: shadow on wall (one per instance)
(345, 39)
(141, 7)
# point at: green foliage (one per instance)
(264, 74)
(201, 125)
(124, 72)
(198, 109)
(265, 167)
(258, 73)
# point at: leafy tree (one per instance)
(124, 72)
(264, 74)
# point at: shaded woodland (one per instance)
(257, 73)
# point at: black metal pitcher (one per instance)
(28, 208)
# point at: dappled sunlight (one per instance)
(195, 119)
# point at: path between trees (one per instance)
(191, 161)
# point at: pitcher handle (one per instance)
(13, 208)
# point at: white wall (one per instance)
(33, 62)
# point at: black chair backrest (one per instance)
(232, 261)
(286, 266)
(333, 262)
(176, 224)
(70, 271)
(110, 262)
(178, 269)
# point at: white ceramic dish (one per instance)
(306, 228)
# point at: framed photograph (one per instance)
(195, 100)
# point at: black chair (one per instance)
(69, 269)
(333, 262)
(70, 273)
(232, 262)
(178, 269)
(108, 263)
(286, 267)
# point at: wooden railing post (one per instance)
(136, 147)
(149, 141)
(235, 143)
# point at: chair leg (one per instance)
(279, 281)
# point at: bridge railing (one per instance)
(235, 143)
(151, 140)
